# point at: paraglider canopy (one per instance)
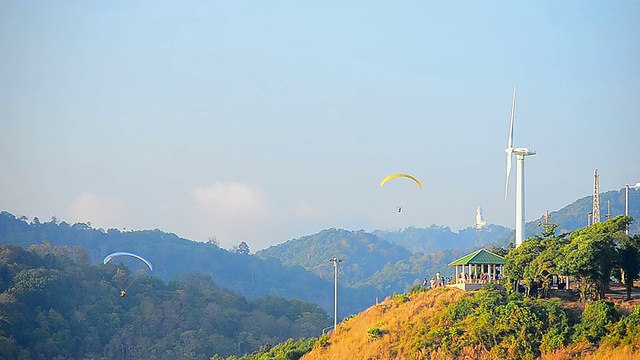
(393, 176)
(124, 253)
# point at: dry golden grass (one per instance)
(621, 353)
(397, 321)
(586, 352)
(401, 324)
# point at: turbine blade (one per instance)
(506, 187)
(513, 115)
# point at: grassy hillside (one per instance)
(450, 324)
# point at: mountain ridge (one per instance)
(377, 264)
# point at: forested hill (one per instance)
(375, 264)
(55, 305)
(437, 238)
(363, 254)
(575, 215)
(369, 261)
(171, 256)
(571, 217)
(376, 260)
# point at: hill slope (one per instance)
(575, 215)
(363, 254)
(438, 238)
(450, 324)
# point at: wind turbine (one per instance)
(520, 155)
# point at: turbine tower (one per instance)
(520, 155)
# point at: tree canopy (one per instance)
(54, 305)
(591, 255)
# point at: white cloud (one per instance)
(232, 212)
(100, 211)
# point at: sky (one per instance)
(264, 121)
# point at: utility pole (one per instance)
(335, 262)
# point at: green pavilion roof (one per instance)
(481, 256)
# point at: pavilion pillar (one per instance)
(475, 272)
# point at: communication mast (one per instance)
(596, 198)
(547, 217)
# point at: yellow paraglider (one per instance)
(393, 176)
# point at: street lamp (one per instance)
(626, 200)
(335, 262)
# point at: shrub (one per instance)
(400, 299)
(322, 342)
(595, 320)
(374, 333)
(624, 332)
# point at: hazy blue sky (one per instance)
(264, 121)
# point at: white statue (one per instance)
(479, 222)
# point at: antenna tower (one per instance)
(596, 197)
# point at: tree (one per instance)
(535, 261)
(243, 248)
(545, 265)
(500, 251)
(629, 257)
(213, 241)
(517, 261)
(591, 255)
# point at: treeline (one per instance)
(590, 256)
(172, 256)
(55, 305)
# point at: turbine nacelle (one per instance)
(522, 152)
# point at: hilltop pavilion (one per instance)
(476, 269)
